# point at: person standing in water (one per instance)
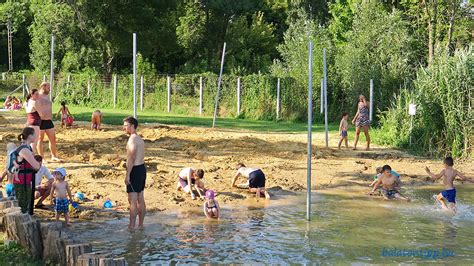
(256, 179)
(136, 172)
(362, 120)
(448, 174)
(44, 106)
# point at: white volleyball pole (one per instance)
(135, 75)
(310, 125)
(219, 81)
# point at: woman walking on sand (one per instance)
(362, 120)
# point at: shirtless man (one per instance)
(448, 174)
(136, 172)
(44, 106)
(390, 185)
(96, 120)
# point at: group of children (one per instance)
(389, 183)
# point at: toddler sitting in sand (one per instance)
(211, 206)
(389, 185)
(61, 189)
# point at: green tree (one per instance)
(377, 48)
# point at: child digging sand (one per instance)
(448, 174)
(62, 191)
(343, 126)
(211, 206)
(389, 185)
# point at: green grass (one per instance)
(115, 117)
(13, 254)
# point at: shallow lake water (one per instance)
(346, 227)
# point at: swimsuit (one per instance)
(183, 182)
(344, 134)
(61, 205)
(389, 193)
(46, 124)
(363, 119)
(33, 119)
(449, 195)
(256, 179)
(137, 179)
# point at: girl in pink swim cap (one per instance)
(211, 206)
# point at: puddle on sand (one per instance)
(346, 227)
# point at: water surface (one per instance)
(346, 227)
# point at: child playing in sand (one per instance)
(11, 147)
(389, 185)
(65, 115)
(256, 179)
(211, 206)
(378, 174)
(188, 177)
(96, 120)
(343, 126)
(448, 174)
(61, 189)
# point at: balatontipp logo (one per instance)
(419, 253)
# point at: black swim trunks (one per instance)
(137, 179)
(257, 179)
(46, 124)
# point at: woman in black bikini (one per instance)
(362, 120)
(33, 118)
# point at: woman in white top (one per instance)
(256, 179)
(188, 177)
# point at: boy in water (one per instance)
(211, 206)
(448, 174)
(378, 174)
(390, 185)
(343, 126)
(62, 191)
(96, 120)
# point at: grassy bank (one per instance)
(115, 117)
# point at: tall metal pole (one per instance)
(10, 46)
(24, 86)
(325, 98)
(322, 96)
(168, 86)
(51, 75)
(278, 99)
(371, 98)
(115, 90)
(238, 96)
(219, 81)
(310, 125)
(135, 75)
(200, 95)
(141, 93)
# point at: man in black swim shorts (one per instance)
(44, 106)
(136, 173)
